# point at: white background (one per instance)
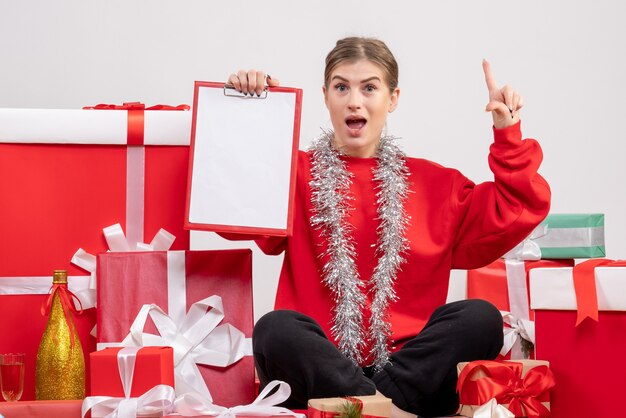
(565, 57)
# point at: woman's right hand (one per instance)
(251, 82)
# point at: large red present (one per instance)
(505, 284)
(586, 359)
(523, 386)
(199, 302)
(64, 176)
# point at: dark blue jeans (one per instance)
(420, 379)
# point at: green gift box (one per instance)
(564, 235)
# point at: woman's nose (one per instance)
(355, 100)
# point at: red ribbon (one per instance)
(585, 286)
(134, 135)
(503, 381)
(65, 296)
(316, 413)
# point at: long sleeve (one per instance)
(495, 216)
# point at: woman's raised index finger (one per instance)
(491, 82)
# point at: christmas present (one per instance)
(198, 302)
(563, 235)
(585, 358)
(522, 386)
(67, 174)
(22, 325)
(131, 381)
(505, 284)
(369, 406)
(152, 366)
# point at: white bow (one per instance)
(518, 328)
(528, 249)
(197, 340)
(194, 404)
(492, 409)
(117, 242)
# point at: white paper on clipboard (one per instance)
(243, 161)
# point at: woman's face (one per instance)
(358, 100)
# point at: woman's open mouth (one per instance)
(355, 125)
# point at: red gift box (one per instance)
(153, 366)
(586, 359)
(63, 178)
(178, 282)
(501, 282)
(521, 386)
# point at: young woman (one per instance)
(360, 305)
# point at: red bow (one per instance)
(65, 296)
(585, 286)
(503, 381)
(134, 134)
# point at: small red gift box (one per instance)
(505, 284)
(586, 358)
(522, 386)
(153, 366)
(200, 303)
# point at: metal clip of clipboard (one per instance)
(229, 91)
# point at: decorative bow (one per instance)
(518, 328)
(135, 124)
(492, 409)
(528, 249)
(158, 400)
(194, 404)
(116, 241)
(65, 297)
(504, 382)
(196, 340)
(135, 106)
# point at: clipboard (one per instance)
(243, 158)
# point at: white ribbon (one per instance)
(528, 249)
(492, 409)
(194, 404)
(519, 328)
(196, 340)
(40, 285)
(158, 400)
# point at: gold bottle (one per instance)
(60, 360)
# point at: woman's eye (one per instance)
(341, 87)
(370, 88)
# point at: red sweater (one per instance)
(454, 224)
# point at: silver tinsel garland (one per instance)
(331, 198)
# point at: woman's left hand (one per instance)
(504, 103)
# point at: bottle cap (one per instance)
(59, 277)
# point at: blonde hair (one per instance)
(355, 48)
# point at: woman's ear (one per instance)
(393, 100)
(324, 91)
